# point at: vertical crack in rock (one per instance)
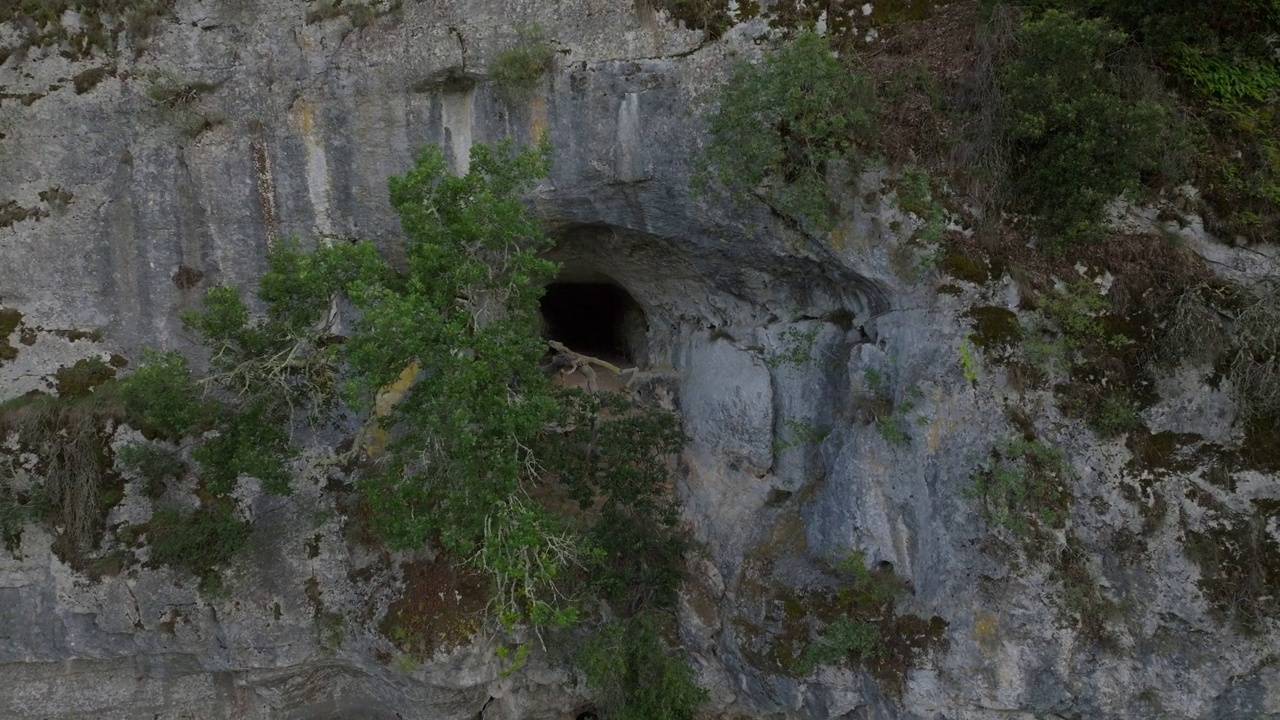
(265, 182)
(456, 114)
(628, 153)
(120, 244)
(303, 117)
(194, 238)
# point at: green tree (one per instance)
(465, 314)
(477, 450)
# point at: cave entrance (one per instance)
(595, 318)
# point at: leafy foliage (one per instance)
(844, 637)
(161, 397)
(198, 541)
(155, 464)
(612, 455)
(1223, 57)
(477, 451)
(781, 124)
(525, 62)
(267, 376)
(636, 676)
(527, 553)
(1083, 129)
(465, 313)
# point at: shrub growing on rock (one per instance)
(781, 124)
(1083, 124)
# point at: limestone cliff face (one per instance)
(124, 209)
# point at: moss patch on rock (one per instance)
(996, 331)
(442, 607)
(1239, 561)
(848, 614)
(9, 321)
(80, 379)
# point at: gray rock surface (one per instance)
(766, 335)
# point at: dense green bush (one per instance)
(636, 676)
(1084, 124)
(518, 67)
(611, 449)
(1223, 57)
(466, 315)
(201, 541)
(781, 124)
(162, 397)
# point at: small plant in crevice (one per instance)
(103, 24)
(711, 16)
(361, 14)
(1083, 602)
(796, 347)
(875, 405)
(17, 507)
(1025, 493)
(967, 360)
(801, 434)
(156, 465)
(1115, 415)
(855, 622)
(842, 639)
(1094, 353)
(406, 663)
(1023, 486)
(916, 196)
(178, 102)
(1239, 561)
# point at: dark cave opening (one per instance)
(595, 318)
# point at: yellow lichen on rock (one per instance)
(390, 394)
